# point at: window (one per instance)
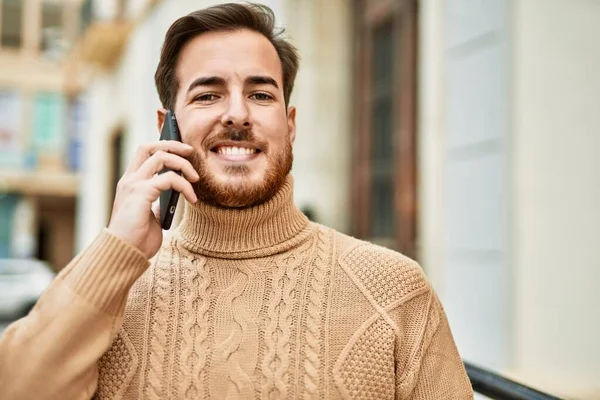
(49, 122)
(381, 160)
(12, 21)
(8, 204)
(384, 175)
(10, 118)
(85, 15)
(77, 126)
(52, 27)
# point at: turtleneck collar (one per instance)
(269, 228)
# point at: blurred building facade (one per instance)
(41, 122)
(459, 132)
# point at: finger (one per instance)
(146, 150)
(171, 180)
(160, 160)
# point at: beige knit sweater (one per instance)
(251, 304)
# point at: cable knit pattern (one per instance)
(279, 330)
(230, 377)
(174, 309)
(318, 284)
(159, 321)
(260, 303)
(197, 292)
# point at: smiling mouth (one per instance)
(235, 153)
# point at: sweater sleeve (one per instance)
(52, 353)
(441, 373)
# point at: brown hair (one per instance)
(225, 17)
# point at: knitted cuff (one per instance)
(105, 271)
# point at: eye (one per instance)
(261, 96)
(206, 98)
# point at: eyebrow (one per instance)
(261, 80)
(218, 81)
(206, 81)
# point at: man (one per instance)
(248, 299)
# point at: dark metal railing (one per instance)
(497, 387)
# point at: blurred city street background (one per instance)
(463, 133)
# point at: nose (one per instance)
(237, 115)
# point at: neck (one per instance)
(262, 230)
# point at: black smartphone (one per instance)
(169, 198)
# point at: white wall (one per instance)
(473, 155)
(127, 97)
(557, 190)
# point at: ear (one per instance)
(291, 122)
(161, 113)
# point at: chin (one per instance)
(241, 185)
(239, 175)
(236, 187)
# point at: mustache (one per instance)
(235, 135)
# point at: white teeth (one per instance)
(235, 151)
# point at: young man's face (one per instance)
(230, 107)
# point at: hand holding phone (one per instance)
(134, 218)
(169, 198)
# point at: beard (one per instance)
(244, 194)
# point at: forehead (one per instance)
(231, 55)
